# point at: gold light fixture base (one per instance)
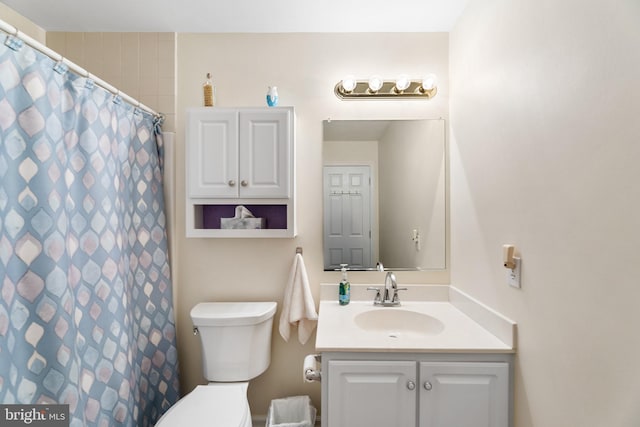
(387, 91)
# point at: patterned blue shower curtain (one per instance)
(86, 311)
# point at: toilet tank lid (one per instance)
(232, 313)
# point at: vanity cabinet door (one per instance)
(371, 394)
(464, 394)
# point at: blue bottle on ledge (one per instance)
(272, 96)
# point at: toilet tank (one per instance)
(235, 337)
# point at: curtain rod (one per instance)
(13, 31)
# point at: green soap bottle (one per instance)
(344, 294)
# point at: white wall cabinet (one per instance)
(240, 153)
(424, 392)
(240, 156)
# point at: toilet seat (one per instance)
(215, 404)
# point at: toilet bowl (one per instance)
(236, 347)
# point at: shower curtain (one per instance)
(86, 312)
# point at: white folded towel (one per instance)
(298, 306)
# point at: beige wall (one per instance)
(21, 23)
(305, 67)
(142, 65)
(545, 155)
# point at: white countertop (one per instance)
(337, 330)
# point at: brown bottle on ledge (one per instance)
(207, 89)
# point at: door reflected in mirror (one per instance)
(384, 194)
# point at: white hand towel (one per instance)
(298, 306)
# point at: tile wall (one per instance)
(142, 65)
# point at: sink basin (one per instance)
(396, 323)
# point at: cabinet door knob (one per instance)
(411, 385)
(427, 385)
(231, 183)
(244, 183)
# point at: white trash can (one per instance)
(295, 411)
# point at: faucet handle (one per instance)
(395, 294)
(378, 297)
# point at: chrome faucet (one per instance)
(390, 284)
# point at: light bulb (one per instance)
(429, 82)
(348, 84)
(375, 83)
(402, 82)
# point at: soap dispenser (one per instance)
(344, 294)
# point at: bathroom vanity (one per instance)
(440, 359)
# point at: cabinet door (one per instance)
(464, 394)
(265, 153)
(371, 394)
(212, 140)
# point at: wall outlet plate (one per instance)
(513, 275)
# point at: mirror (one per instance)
(384, 194)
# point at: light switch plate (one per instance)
(513, 275)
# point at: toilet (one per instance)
(236, 347)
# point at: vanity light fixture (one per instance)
(348, 84)
(402, 83)
(375, 84)
(429, 82)
(376, 87)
